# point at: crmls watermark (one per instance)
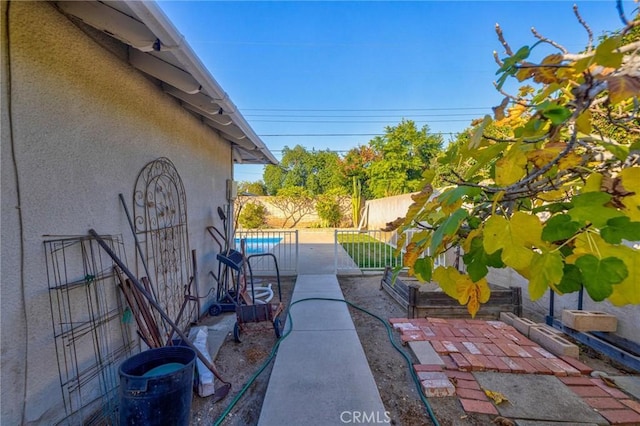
(364, 417)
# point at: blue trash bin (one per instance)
(156, 387)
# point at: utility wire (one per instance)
(342, 134)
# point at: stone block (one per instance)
(589, 320)
(523, 325)
(507, 317)
(553, 342)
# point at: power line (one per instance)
(360, 116)
(352, 122)
(341, 134)
(484, 108)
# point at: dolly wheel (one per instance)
(215, 310)
(277, 327)
(236, 333)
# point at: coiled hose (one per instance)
(274, 350)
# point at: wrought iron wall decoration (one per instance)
(90, 327)
(160, 217)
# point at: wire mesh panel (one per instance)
(160, 217)
(89, 326)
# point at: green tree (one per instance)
(252, 188)
(316, 171)
(552, 192)
(356, 164)
(403, 154)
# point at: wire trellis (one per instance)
(89, 326)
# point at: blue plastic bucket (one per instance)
(156, 387)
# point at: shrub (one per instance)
(253, 215)
(329, 211)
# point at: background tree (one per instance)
(252, 188)
(316, 171)
(295, 202)
(403, 154)
(553, 191)
(355, 165)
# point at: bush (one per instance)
(329, 211)
(253, 215)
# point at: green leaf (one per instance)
(548, 270)
(522, 53)
(571, 279)
(590, 208)
(447, 228)
(620, 228)
(477, 260)
(450, 196)
(423, 269)
(621, 152)
(557, 114)
(600, 275)
(559, 228)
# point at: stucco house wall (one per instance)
(78, 124)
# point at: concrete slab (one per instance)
(320, 314)
(539, 398)
(629, 384)
(316, 282)
(425, 353)
(320, 378)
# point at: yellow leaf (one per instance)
(622, 87)
(511, 167)
(583, 122)
(631, 182)
(516, 237)
(497, 397)
(419, 201)
(569, 161)
(466, 245)
(593, 184)
(461, 288)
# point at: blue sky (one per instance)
(353, 68)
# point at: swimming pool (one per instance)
(258, 244)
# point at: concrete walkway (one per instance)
(321, 375)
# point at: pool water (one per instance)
(258, 244)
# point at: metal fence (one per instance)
(371, 250)
(283, 244)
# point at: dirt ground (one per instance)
(238, 362)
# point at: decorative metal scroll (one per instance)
(160, 216)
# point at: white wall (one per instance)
(84, 123)
(381, 211)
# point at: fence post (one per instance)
(335, 251)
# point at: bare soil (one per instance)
(238, 362)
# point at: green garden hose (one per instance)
(274, 350)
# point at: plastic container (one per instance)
(156, 387)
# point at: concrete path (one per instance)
(321, 375)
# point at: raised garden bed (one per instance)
(422, 300)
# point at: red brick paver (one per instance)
(475, 406)
(621, 417)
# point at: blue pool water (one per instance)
(258, 244)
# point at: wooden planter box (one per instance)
(425, 300)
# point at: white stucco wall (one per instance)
(628, 316)
(84, 123)
(384, 210)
